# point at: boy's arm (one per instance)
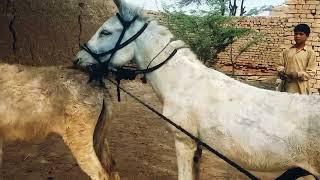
(281, 65)
(310, 71)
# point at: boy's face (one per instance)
(300, 37)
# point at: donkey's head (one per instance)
(114, 42)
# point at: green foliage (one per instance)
(207, 35)
(258, 37)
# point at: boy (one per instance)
(297, 64)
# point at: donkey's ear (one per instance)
(127, 10)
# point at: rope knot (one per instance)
(126, 74)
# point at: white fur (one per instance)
(261, 130)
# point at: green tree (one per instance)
(207, 34)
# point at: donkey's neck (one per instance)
(182, 65)
(150, 43)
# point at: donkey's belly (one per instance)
(29, 112)
(22, 124)
(258, 159)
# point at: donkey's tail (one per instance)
(99, 131)
(100, 141)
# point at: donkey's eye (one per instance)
(105, 33)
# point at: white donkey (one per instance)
(36, 101)
(265, 132)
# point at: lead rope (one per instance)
(144, 78)
(197, 140)
(118, 89)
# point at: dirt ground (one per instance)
(139, 141)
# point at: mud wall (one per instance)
(37, 32)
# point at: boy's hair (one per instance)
(302, 28)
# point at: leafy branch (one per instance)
(207, 35)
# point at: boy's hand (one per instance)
(280, 69)
(293, 75)
(282, 75)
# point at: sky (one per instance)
(156, 4)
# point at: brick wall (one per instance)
(261, 57)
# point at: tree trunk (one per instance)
(242, 10)
(222, 7)
(233, 7)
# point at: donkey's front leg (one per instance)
(185, 146)
(185, 150)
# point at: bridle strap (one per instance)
(130, 74)
(125, 23)
(118, 45)
(123, 73)
(134, 36)
(149, 70)
(89, 51)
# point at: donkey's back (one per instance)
(36, 101)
